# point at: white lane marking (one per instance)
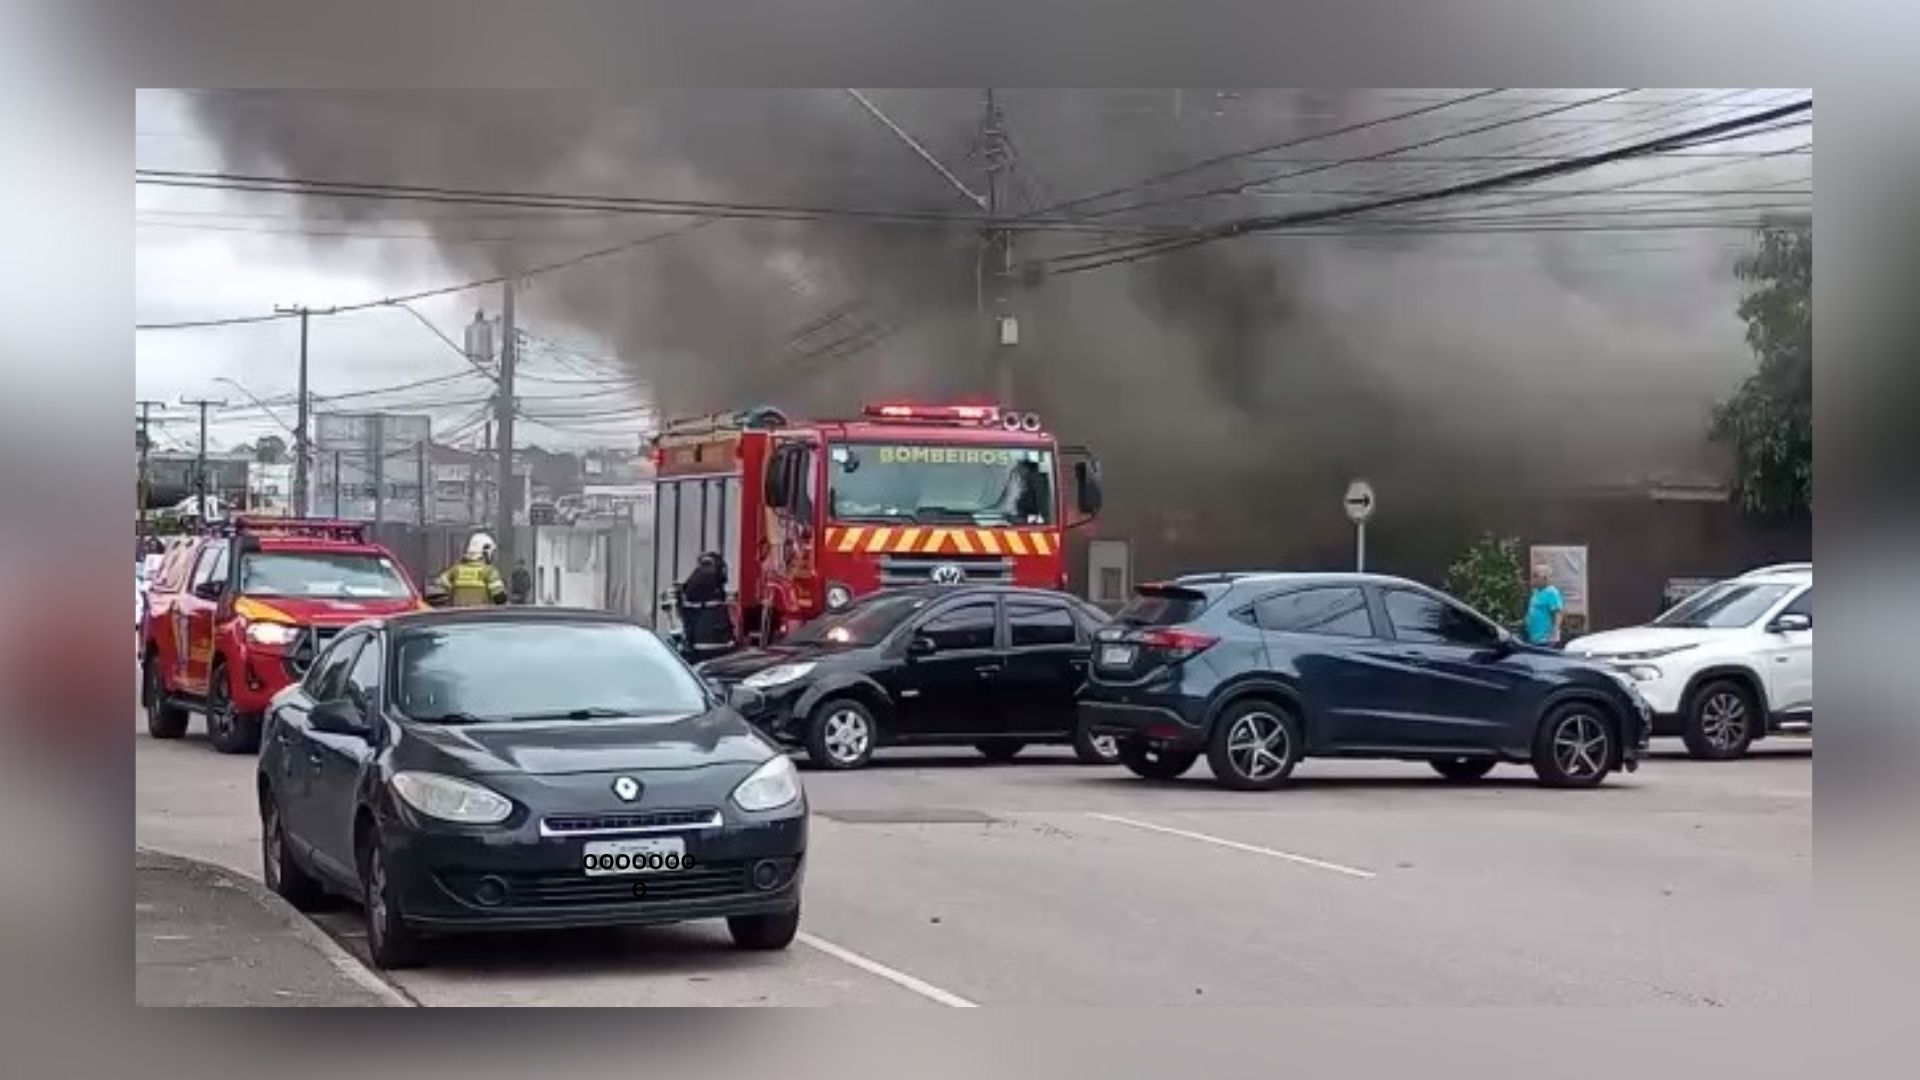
(1236, 845)
(898, 978)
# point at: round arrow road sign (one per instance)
(1359, 500)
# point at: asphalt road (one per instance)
(938, 879)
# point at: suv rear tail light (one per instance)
(1177, 644)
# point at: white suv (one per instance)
(1727, 665)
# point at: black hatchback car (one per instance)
(524, 768)
(1257, 671)
(990, 666)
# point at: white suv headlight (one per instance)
(778, 675)
(771, 786)
(449, 799)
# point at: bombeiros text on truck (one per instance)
(810, 514)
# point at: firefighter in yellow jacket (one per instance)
(474, 581)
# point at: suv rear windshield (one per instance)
(1165, 605)
(322, 574)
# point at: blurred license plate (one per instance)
(1116, 655)
(652, 855)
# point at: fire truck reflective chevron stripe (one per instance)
(917, 540)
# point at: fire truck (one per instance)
(238, 612)
(809, 515)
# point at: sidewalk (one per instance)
(205, 936)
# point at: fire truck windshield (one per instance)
(923, 482)
(321, 574)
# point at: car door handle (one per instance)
(989, 669)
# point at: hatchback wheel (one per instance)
(1462, 769)
(230, 731)
(390, 941)
(1149, 763)
(840, 734)
(1720, 722)
(278, 868)
(1574, 747)
(764, 931)
(1254, 746)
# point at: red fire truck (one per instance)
(811, 514)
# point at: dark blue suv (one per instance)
(1259, 670)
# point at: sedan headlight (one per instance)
(449, 799)
(771, 786)
(272, 633)
(778, 675)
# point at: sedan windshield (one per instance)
(322, 574)
(1726, 606)
(867, 622)
(541, 671)
(976, 485)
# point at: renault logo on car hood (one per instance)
(948, 574)
(627, 788)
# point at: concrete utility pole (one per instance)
(300, 423)
(503, 418)
(996, 253)
(200, 462)
(145, 485)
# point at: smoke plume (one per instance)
(1231, 390)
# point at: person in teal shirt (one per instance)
(1544, 610)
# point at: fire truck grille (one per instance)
(920, 569)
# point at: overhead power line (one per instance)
(396, 301)
(1094, 259)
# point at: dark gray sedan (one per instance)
(524, 768)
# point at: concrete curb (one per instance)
(297, 924)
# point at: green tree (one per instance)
(1769, 421)
(1492, 578)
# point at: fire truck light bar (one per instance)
(972, 414)
(317, 528)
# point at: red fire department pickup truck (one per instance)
(235, 615)
(811, 514)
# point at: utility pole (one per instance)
(996, 254)
(503, 419)
(145, 485)
(300, 423)
(200, 462)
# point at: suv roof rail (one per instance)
(1780, 568)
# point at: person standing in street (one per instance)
(474, 581)
(1545, 609)
(520, 584)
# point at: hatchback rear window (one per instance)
(1164, 605)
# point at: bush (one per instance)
(1492, 577)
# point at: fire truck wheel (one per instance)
(165, 720)
(840, 734)
(229, 730)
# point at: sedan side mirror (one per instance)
(922, 645)
(747, 701)
(339, 717)
(1791, 623)
(435, 596)
(1087, 493)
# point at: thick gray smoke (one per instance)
(1231, 390)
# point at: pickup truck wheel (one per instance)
(1720, 721)
(164, 720)
(230, 731)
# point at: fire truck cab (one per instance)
(237, 614)
(810, 515)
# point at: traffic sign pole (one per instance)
(1360, 546)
